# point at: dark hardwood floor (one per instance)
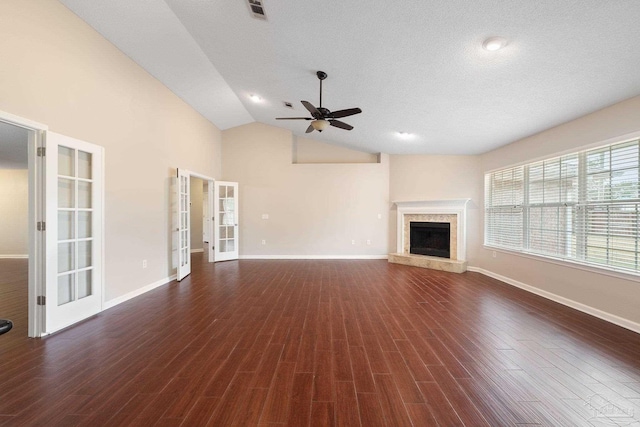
(320, 343)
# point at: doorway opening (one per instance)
(14, 231)
(215, 222)
(21, 141)
(198, 214)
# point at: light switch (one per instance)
(265, 216)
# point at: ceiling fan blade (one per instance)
(344, 113)
(341, 125)
(309, 129)
(313, 110)
(294, 118)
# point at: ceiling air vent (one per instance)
(257, 9)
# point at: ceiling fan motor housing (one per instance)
(324, 111)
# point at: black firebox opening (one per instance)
(430, 238)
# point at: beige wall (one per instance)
(310, 151)
(314, 209)
(14, 212)
(58, 71)
(613, 295)
(415, 177)
(196, 213)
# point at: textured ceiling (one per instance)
(413, 65)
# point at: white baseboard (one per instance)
(126, 297)
(612, 318)
(195, 251)
(314, 256)
(11, 256)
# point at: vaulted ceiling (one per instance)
(415, 66)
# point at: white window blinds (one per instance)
(582, 207)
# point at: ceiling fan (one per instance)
(322, 117)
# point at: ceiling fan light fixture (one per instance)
(320, 125)
(494, 43)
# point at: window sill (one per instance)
(571, 264)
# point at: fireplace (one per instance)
(430, 238)
(443, 247)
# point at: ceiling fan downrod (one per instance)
(321, 75)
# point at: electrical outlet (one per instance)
(379, 216)
(144, 263)
(368, 242)
(264, 242)
(494, 254)
(353, 242)
(265, 216)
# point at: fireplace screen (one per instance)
(430, 238)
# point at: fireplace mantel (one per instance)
(449, 204)
(457, 207)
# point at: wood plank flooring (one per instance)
(321, 343)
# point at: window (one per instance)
(583, 207)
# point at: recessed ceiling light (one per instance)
(494, 43)
(255, 98)
(404, 135)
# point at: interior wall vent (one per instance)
(257, 9)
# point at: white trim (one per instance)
(21, 121)
(126, 297)
(199, 175)
(12, 256)
(195, 251)
(457, 207)
(385, 256)
(611, 318)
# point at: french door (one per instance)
(226, 220)
(183, 195)
(209, 224)
(74, 230)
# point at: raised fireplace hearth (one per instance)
(432, 234)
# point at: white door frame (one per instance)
(37, 243)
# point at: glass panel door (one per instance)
(73, 230)
(184, 226)
(226, 220)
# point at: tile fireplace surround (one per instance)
(450, 211)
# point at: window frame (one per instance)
(574, 252)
